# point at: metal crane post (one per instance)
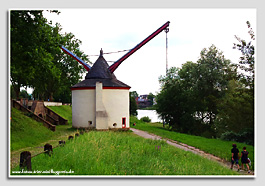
(166, 30)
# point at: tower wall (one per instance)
(83, 108)
(103, 107)
(116, 102)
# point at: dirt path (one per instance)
(188, 148)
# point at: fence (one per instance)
(25, 156)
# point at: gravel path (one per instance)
(188, 148)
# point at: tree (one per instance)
(247, 60)
(189, 95)
(134, 94)
(25, 53)
(36, 59)
(172, 103)
(214, 73)
(236, 109)
(71, 70)
(133, 105)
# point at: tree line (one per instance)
(212, 97)
(36, 60)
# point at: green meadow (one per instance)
(112, 153)
(121, 153)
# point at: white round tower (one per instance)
(101, 101)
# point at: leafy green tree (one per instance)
(133, 105)
(25, 50)
(247, 60)
(189, 95)
(134, 94)
(214, 73)
(36, 59)
(71, 70)
(236, 108)
(172, 102)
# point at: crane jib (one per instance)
(115, 65)
(86, 66)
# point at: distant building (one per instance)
(142, 101)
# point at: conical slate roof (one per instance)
(100, 73)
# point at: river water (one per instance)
(150, 113)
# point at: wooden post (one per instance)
(25, 160)
(62, 142)
(48, 149)
(70, 137)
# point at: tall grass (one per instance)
(217, 147)
(123, 153)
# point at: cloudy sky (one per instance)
(190, 31)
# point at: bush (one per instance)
(146, 119)
(245, 136)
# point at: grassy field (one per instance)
(122, 153)
(216, 147)
(26, 132)
(115, 153)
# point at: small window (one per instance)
(90, 122)
(114, 124)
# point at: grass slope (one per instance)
(217, 147)
(65, 111)
(26, 132)
(122, 153)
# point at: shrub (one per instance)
(146, 119)
(245, 136)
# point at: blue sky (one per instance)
(190, 31)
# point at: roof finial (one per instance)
(101, 52)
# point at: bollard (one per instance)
(48, 149)
(70, 137)
(25, 160)
(76, 135)
(61, 142)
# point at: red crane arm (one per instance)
(115, 65)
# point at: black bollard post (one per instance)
(62, 142)
(25, 160)
(70, 137)
(48, 149)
